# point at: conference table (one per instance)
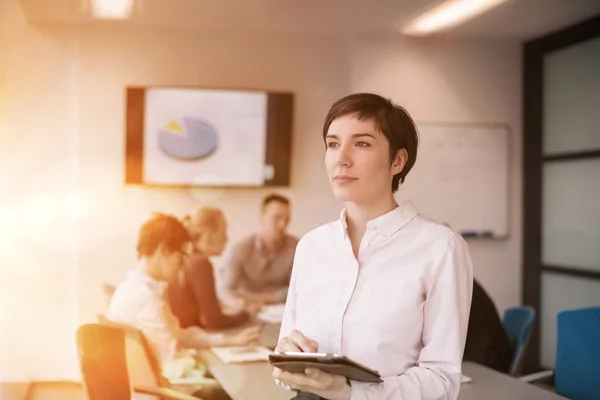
(254, 381)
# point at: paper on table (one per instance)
(272, 314)
(238, 354)
(465, 379)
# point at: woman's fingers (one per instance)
(297, 342)
(286, 344)
(301, 341)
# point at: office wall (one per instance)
(61, 125)
(37, 163)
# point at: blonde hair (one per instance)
(203, 220)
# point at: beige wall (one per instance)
(38, 262)
(61, 125)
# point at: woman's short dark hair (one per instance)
(161, 229)
(390, 119)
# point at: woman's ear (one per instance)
(189, 248)
(199, 240)
(399, 161)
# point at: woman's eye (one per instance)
(363, 144)
(332, 144)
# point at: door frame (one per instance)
(533, 160)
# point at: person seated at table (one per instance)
(487, 343)
(259, 267)
(163, 248)
(193, 299)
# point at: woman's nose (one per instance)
(343, 157)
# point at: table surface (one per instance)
(254, 381)
(248, 381)
(490, 384)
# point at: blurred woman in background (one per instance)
(193, 299)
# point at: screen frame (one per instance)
(278, 150)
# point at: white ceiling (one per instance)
(516, 19)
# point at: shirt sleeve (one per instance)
(288, 323)
(200, 276)
(195, 337)
(446, 315)
(280, 295)
(155, 320)
(162, 329)
(233, 269)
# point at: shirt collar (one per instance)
(387, 224)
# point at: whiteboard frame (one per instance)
(509, 162)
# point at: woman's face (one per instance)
(173, 261)
(358, 161)
(212, 243)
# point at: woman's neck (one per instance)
(358, 215)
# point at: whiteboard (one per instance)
(460, 177)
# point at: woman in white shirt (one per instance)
(382, 285)
(164, 245)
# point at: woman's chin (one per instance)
(345, 194)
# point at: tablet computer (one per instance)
(328, 362)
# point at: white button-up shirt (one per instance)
(139, 301)
(402, 308)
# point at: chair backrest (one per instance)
(101, 351)
(142, 364)
(578, 354)
(517, 323)
(144, 367)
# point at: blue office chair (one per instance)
(517, 323)
(577, 371)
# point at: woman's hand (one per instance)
(253, 309)
(245, 337)
(314, 381)
(296, 342)
(260, 298)
(328, 386)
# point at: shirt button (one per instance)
(366, 244)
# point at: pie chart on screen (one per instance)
(189, 139)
